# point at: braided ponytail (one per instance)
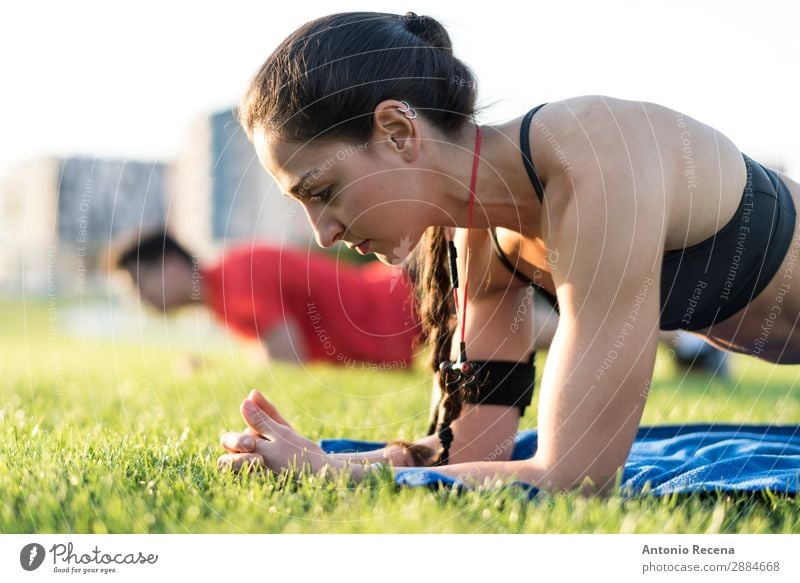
(438, 317)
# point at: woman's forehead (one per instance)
(288, 160)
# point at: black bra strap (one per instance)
(520, 276)
(505, 260)
(525, 146)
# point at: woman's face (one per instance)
(372, 192)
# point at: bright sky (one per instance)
(126, 78)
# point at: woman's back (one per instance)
(723, 225)
(678, 166)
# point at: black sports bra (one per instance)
(705, 283)
(537, 185)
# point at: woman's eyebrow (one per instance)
(299, 186)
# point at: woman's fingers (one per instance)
(240, 461)
(267, 406)
(238, 442)
(257, 445)
(259, 421)
(266, 454)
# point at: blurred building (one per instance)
(59, 216)
(98, 201)
(220, 194)
(28, 226)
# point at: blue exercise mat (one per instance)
(671, 458)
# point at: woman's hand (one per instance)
(270, 442)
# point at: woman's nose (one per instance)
(327, 230)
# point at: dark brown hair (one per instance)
(149, 249)
(324, 82)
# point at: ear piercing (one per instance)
(407, 109)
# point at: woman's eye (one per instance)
(321, 196)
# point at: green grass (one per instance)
(122, 437)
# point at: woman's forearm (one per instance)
(529, 471)
(476, 472)
(394, 454)
(363, 457)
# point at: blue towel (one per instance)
(666, 459)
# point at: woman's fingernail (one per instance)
(248, 443)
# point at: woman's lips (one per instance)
(363, 248)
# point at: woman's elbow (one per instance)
(587, 479)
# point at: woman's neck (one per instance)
(504, 195)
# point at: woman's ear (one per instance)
(395, 129)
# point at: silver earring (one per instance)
(410, 113)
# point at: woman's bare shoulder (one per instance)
(597, 139)
(589, 122)
(585, 108)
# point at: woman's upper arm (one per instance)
(607, 244)
(499, 325)
(500, 308)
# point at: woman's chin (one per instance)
(400, 252)
(382, 258)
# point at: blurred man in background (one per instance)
(305, 306)
(302, 306)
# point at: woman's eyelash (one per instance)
(322, 196)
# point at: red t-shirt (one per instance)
(347, 313)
